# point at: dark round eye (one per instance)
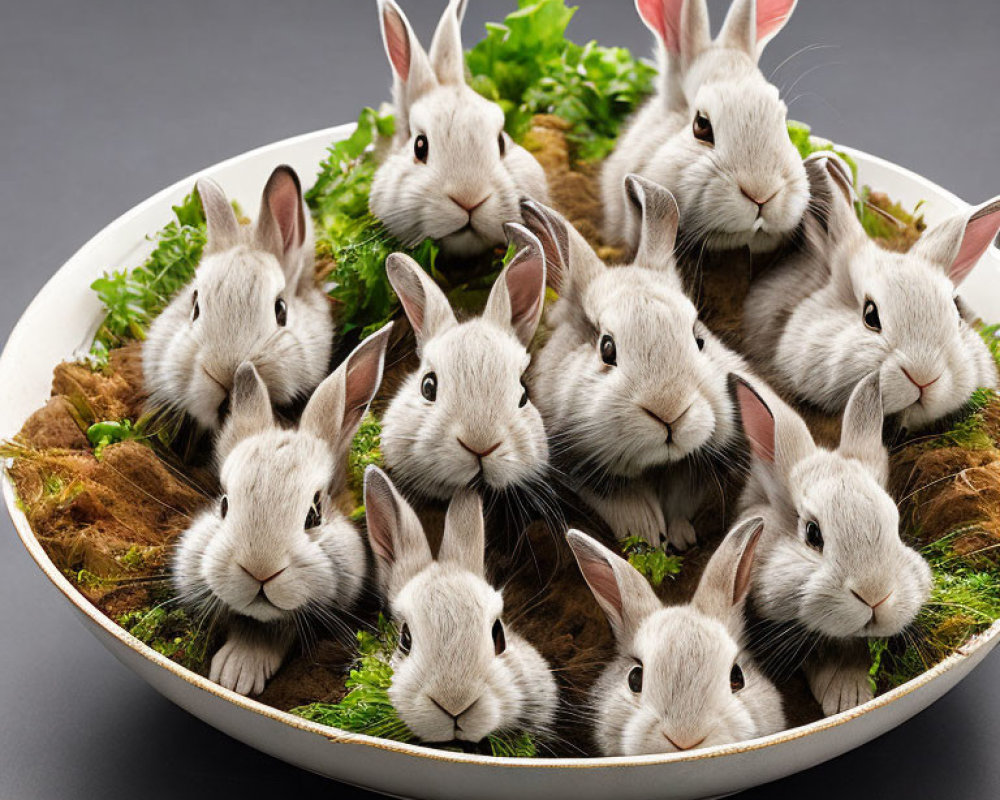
(502, 141)
(524, 396)
(702, 129)
(195, 308)
(405, 640)
(281, 312)
(499, 639)
(699, 340)
(736, 679)
(609, 353)
(635, 679)
(224, 506)
(429, 387)
(315, 516)
(420, 148)
(870, 316)
(814, 536)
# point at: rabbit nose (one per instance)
(449, 709)
(755, 197)
(467, 206)
(258, 574)
(871, 605)
(682, 746)
(916, 382)
(480, 454)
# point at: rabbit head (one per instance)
(253, 298)
(831, 558)
(274, 547)
(630, 378)
(890, 312)
(679, 680)
(465, 414)
(737, 177)
(454, 174)
(458, 672)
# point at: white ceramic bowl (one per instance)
(61, 322)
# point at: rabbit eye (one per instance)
(429, 387)
(420, 148)
(524, 396)
(502, 141)
(315, 516)
(195, 308)
(702, 129)
(635, 679)
(281, 312)
(405, 640)
(736, 679)
(224, 506)
(870, 316)
(609, 353)
(699, 340)
(499, 639)
(814, 536)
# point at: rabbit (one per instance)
(253, 298)
(854, 307)
(830, 559)
(459, 672)
(680, 679)
(465, 414)
(715, 133)
(274, 557)
(631, 385)
(453, 174)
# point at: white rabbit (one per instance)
(453, 174)
(680, 679)
(714, 134)
(274, 557)
(846, 303)
(465, 413)
(830, 560)
(631, 385)
(253, 298)
(459, 673)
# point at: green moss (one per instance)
(170, 633)
(134, 559)
(652, 562)
(366, 450)
(367, 709)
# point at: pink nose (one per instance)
(755, 198)
(918, 384)
(465, 205)
(257, 575)
(480, 453)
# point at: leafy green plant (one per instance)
(652, 562)
(168, 632)
(102, 434)
(528, 66)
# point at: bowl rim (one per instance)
(108, 626)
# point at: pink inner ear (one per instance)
(363, 375)
(526, 288)
(664, 18)
(744, 568)
(286, 208)
(397, 42)
(379, 512)
(979, 235)
(758, 423)
(772, 16)
(601, 578)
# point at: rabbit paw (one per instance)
(245, 666)
(839, 687)
(681, 534)
(635, 512)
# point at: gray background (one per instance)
(104, 102)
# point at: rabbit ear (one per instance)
(772, 16)
(861, 433)
(518, 296)
(750, 25)
(396, 536)
(281, 225)
(570, 262)
(781, 442)
(657, 217)
(831, 185)
(410, 65)
(680, 25)
(249, 411)
(336, 409)
(223, 229)
(425, 304)
(464, 539)
(725, 583)
(446, 54)
(622, 593)
(959, 242)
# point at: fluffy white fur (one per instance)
(480, 424)
(686, 654)
(748, 188)
(459, 679)
(810, 310)
(862, 581)
(639, 440)
(228, 314)
(273, 557)
(474, 175)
